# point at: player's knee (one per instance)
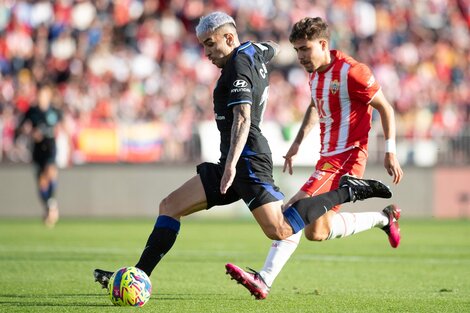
(169, 207)
(274, 236)
(316, 235)
(276, 233)
(164, 207)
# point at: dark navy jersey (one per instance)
(45, 121)
(244, 80)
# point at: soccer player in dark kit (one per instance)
(245, 167)
(40, 122)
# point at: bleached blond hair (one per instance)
(213, 21)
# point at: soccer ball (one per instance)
(129, 286)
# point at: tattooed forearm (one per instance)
(240, 130)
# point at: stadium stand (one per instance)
(134, 84)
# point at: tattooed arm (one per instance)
(240, 130)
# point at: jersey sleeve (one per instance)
(240, 81)
(267, 50)
(362, 84)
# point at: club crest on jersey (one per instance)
(334, 86)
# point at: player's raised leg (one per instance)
(351, 189)
(187, 199)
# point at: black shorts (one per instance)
(44, 153)
(253, 182)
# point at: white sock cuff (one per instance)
(278, 255)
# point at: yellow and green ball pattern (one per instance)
(129, 286)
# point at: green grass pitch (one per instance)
(46, 270)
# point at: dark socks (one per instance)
(47, 193)
(307, 210)
(51, 189)
(44, 195)
(159, 243)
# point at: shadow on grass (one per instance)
(197, 297)
(35, 300)
(45, 304)
(57, 300)
(56, 295)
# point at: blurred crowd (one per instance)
(130, 61)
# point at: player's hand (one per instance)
(289, 157)
(37, 135)
(393, 168)
(227, 179)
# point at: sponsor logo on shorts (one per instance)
(251, 201)
(318, 175)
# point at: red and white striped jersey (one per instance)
(341, 95)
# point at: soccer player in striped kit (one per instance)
(344, 94)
